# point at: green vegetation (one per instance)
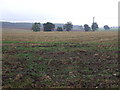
(36, 27)
(94, 26)
(68, 26)
(36, 64)
(59, 29)
(48, 26)
(86, 27)
(106, 27)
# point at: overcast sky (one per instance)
(79, 12)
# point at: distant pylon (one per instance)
(93, 19)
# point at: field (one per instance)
(59, 59)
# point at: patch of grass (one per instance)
(65, 59)
(24, 55)
(5, 48)
(14, 42)
(38, 68)
(37, 48)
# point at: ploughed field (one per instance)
(59, 59)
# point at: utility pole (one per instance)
(93, 19)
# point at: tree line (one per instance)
(66, 27)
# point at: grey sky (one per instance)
(79, 12)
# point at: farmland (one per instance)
(59, 59)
